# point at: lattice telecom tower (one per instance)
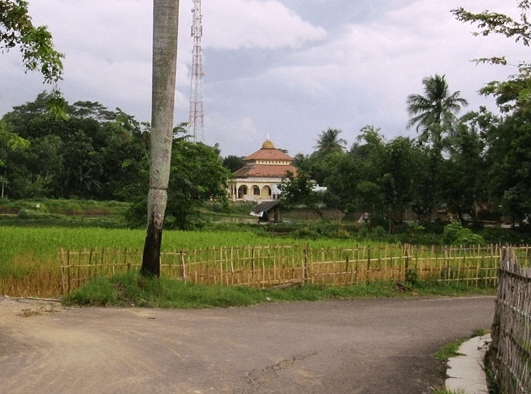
(197, 112)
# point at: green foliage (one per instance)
(455, 234)
(449, 350)
(94, 153)
(99, 293)
(233, 163)
(444, 390)
(434, 111)
(132, 289)
(330, 142)
(515, 93)
(35, 42)
(510, 170)
(297, 189)
(412, 277)
(197, 176)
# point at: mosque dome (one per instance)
(268, 145)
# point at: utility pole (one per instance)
(197, 112)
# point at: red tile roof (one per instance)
(261, 170)
(268, 154)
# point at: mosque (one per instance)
(263, 172)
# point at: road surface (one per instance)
(346, 346)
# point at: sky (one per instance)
(283, 69)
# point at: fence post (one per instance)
(305, 266)
(368, 263)
(406, 262)
(183, 266)
(252, 264)
(68, 271)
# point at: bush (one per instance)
(455, 234)
(99, 292)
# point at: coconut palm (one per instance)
(435, 110)
(165, 32)
(329, 142)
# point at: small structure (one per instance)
(263, 172)
(267, 211)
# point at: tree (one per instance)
(197, 176)
(434, 111)
(9, 143)
(38, 53)
(510, 165)
(298, 189)
(94, 153)
(329, 142)
(463, 172)
(233, 163)
(518, 88)
(35, 42)
(165, 33)
(398, 180)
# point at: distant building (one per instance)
(263, 172)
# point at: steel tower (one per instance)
(197, 113)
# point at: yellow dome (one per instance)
(268, 145)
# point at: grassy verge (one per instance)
(134, 290)
(450, 350)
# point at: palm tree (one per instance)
(434, 111)
(165, 32)
(329, 142)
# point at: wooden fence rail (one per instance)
(509, 355)
(273, 265)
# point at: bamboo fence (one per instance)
(509, 356)
(281, 265)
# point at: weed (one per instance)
(449, 350)
(29, 312)
(444, 390)
(412, 277)
(480, 332)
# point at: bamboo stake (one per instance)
(459, 266)
(68, 271)
(183, 265)
(478, 271)
(252, 262)
(368, 264)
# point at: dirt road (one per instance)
(362, 346)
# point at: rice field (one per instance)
(24, 249)
(31, 259)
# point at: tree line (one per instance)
(85, 150)
(100, 154)
(455, 163)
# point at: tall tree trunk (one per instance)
(165, 32)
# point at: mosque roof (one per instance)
(268, 152)
(264, 170)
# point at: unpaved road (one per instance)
(362, 346)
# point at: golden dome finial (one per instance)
(268, 144)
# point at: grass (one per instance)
(450, 350)
(444, 390)
(131, 289)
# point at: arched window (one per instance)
(256, 190)
(266, 192)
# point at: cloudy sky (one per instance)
(284, 68)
